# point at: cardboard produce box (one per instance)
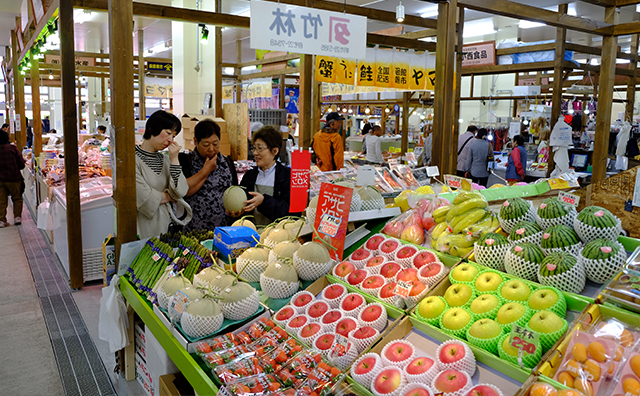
(174, 385)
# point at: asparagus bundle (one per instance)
(149, 264)
(197, 255)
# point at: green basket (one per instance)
(559, 308)
(471, 283)
(488, 291)
(523, 321)
(525, 302)
(490, 345)
(547, 340)
(529, 361)
(433, 321)
(491, 314)
(461, 333)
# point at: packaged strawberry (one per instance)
(259, 328)
(273, 361)
(320, 381)
(298, 368)
(265, 344)
(238, 369)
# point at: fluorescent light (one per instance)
(81, 16)
(429, 12)
(529, 24)
(228, 70)
(594, 62)
(156, 49)
(480, 27)
(428, 39)
(623, 61)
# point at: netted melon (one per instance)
(252, 262)
(280, 279)
(239, 301)
(201, 318)
(234, 198)
(311, 261)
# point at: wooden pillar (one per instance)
(558, 79)
(142, 105)
(383, 120)
(631, 88)
(306, 99)
(18, 85)
(281, 91)
(238, 71)
(397, 132)
(458, 92)
(122, 122)
(103, 95)
(72, 179)
(605, 100)
(316, 110)
(217, 82)
(35, 107)
(79, 81)
(404, 142)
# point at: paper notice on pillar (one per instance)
(384, 67)
(332, 217)
(300, 167)
(561, 158)
(561, 134)
(367, 71)
(283, 27)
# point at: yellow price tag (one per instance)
(398, 149)
(392, 149)
(409, 150)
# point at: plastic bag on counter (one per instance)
(113, 320)
(45, 220)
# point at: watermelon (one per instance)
(557, 263)
(514, 208)
(598, 217)
(552, 208)
(492, 239)
(600, 249)
(528, 252)
(559, 236)
(524, 229)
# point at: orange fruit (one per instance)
(574, 368)
(579, 352)
(631, 386)
(626, 338)
(565, 379)
(591, 367)
(569, 392)
(611, 368)
(635, 365)
(540, 389)
(619, 352)
(583, 386)
(596, 350)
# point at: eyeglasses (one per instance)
(258, 149)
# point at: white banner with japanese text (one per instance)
(284, 27)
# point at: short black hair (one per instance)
(205, 129)
(159, 121)
(269, 135)
(101, 128)
(376, 127)
(4, 126)
(481, 133)
(472, 128)
(366, 128)
(4, 137)
(518, 140)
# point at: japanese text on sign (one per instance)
(160, 66)
(524, 339)
(329, 225)
(403, 289)
(479, 54)
(571, 199)
(334, 202)
(307, 30)
(79, 61)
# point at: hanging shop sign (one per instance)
(227, 93)
(80, 61)
(300, 166)
(332, 216)
(283, 27)
(258, 89)
(160, 66)
(150, 90)
(37, 6)
(479, 54)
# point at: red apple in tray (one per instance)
(309, 332)
(420, 370)
(390, 269)
(316, 310)
(333, 294)
(363, 337)
(301, 300)
(359, 257)
(374, 315)
(283, 315)
(405, 254)
(415, 389)
(431, 273)
(397, 353)
(352, 304)
(407, 275)
(343, 269)
(388, 381)
(296, 323)
(373, 244)
(357, 276)
(363, 370)
(416, 294)
(484, 390)
(456, 355)
(324, 342)
(374, 264)
(451, 381)
(329, 320)
(423, 258)
(387, 294)
(372, 284)
(388, 248)
(345, 326)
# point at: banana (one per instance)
(470, 218)
(495, 223)
(459, 241)
(460, 251)
(464, 196)
(438, 230)
(440, 219)
(441, 211)
(465, 206)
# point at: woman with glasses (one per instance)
(209, 174)
(268, 184)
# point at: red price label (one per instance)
(185, 252)
(526, 340)
(155, 257)
(403, 289)
(527, 347)
(454, 183)
(340, 345)
(569, 198)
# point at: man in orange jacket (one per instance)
(327, 144)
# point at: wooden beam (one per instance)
(238, 70)
(602, 3)
(404, 141)
(69, 129)
(19, 102)
(306, 97)
(530, 13)
(419, 34)
(94, 69)
(401, 42)
(623, 29)
(585, 49)
(620, 3)
(52, 10)
(103, 95)
(525, 48)
(281, 91)
(458, 91)
(605, 94)
(506, 69)
(217, 79)
(275, 59)
(35, 107)
(122, 121)
(142, 106)
(631, 89)
(558, 79)
(271, 73)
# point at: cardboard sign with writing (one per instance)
(300, 168)
(524, 339)
(334, 202)
(325, 68)
(569, 198)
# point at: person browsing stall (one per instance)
(327, 144)
(517, 161)
(159, 178)
(464, 142)
(374, 143)
(209, 174)
(11, 163)
(477, 159)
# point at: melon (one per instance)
(314, 202)
(559, 236)
(234, 198)
(597, 216)
(524, 229)
(276, 236)
(356, 201)
(207, 275)
(311, 261)
(285, 249)
(371, 198)
(600, 249)
(170, 287)
(492, 239)
(552, 208)
(514, 208)
(252, 262)
(201, 318)
(280, 279)
(244, 222)
(557, 263)
(239, 301)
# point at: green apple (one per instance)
(488, 281)
(455, 319)
(484, 303)
(510, 312)
(464, 273)
(458, 295)
(485, 329)
(510, 350)
(542, 299)
(431, 307)
(515, 290)
(545, 322)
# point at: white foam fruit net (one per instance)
(163, 299)
(399, 364)
(391, 255)
(356, 202)
(572, 281)
(601, 271)
(589, 233)
(363, 343)
(282, 323)
(374, 252)
(517, 266)
(405, 262)
(310, 271)
(197, 326)
(334, 303)
(311, 215)
(253, 268)
(343, 362)
(564, 220)
(370, 291)
(396, 301)
(380, 323)
(507, 225)
(308, 341)
(412, 385)
(375, 270)
(460, 392)
(275, 288)
(302, 309)
(491, 256)
(398, 390)
(359, 264)
(495, 388)
(534, 238)
(242, 309)
(432, 280)
(412, 301)
(425, 378)
(366, 378)
(573, 249)
(294, 330)
(372, 204)
(466, 365)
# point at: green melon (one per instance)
(234, 198)
(557, 263)
(600, 249)
(514, 208)
(528, 252)
(492, 239)
(552, 208)
(597, 216)
(559, 236)
(524, 229)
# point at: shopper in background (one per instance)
(327, 144)
(46, 125)
(159, 178)
(477, 159)
(517, 161)
(428, 148)
(101, 129)
(11, 163)
(464, 141)
(367, 130)
(374, 146)
(5, 128)
(29, 133)
(209, 174)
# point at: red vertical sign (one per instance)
(300, 166)
(332, 216)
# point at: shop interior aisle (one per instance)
(50, 334)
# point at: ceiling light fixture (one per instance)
(50, 75)
(400, 12)
(529, 24)
(204, 38)
(81, 16)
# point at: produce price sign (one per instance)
(340, 346)
(178, 305)
(457, 182)
(403, 289)
(569, 198)
(334, 201)
(525, 340)
(300, 168)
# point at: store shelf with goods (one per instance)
(528, 389)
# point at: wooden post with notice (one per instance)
(18, 85)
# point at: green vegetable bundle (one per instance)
(149, 265)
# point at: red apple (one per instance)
(450, 381)
(375, 261)
(387, 381)
(406, 251)
(482, 390)
(418, 287)
(303, 299)
(390, 269)
(324, 342)
(419, 365)
(373, 282)
(388, 246)
(424, 257)
(387, 290)
(310, 330)
(298, 321)
(374, 242)
(360, 254)
(357, 276)
(317, 309)
(430, 269)
(334, 291)
(407, 275)
(365, 366)
(345, 326)
(331, 316)
(285, 313)
(351, 302)
(364, 332)
(451, 353)
(398, 352)
(371, 313)
(344, 268)
(417, 392)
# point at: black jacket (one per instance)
(276, 206)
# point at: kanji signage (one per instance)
(300, 167)
(160, 66)
(80, 61)
(332, 216)
(283, 27)
(479, 54)
(524, 339)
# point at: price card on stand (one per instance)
(178, 305)
(403, 289)
(524, 339)
(457, 182)
(366, 175)
(340, 346)
(329, 225)
(569, 198)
